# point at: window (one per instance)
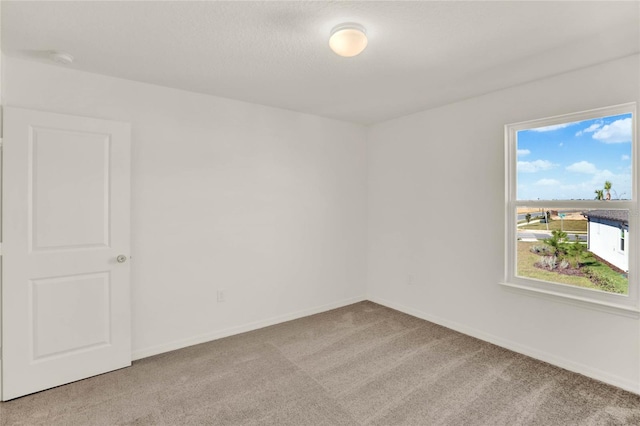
(571, 206)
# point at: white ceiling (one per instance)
(420, 54)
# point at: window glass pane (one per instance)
(584, 248)
(579, 160)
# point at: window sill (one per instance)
(613, 308)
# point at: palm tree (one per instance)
(599, 194)
(607, 187)
(556, 241)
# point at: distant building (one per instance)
(607, 236)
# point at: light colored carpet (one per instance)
(363, 364)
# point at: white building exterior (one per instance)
(607, 236)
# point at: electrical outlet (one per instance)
(221, 296)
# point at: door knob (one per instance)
(121, 258)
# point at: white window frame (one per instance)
(618, 303)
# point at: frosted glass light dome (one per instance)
(348, 39)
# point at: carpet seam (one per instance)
(325, 390)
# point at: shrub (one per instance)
(578, 251)
(541, 250)
(550, 262)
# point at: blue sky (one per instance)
(571, 160)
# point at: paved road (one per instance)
(534, 214)
(530, 235)
(523, 216)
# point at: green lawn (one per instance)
(567, 226)
(616, 283)
(526, 268)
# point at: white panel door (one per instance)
(65, 222)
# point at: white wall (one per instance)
(436, 211)
(265, 203)
(271, 205)
(604, 241)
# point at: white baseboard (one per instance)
(575, 367)
(203, 338)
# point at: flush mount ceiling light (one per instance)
(348, 39)
(63, 58)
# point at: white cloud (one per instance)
(601, 176)
(583, 167)
(625, 157)
(590, 129)
(561, 143)
(621, 183)
(534, 166)
(616, 132)
(523, 152)
(548, 182)
(553, 127)
(580, 186)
